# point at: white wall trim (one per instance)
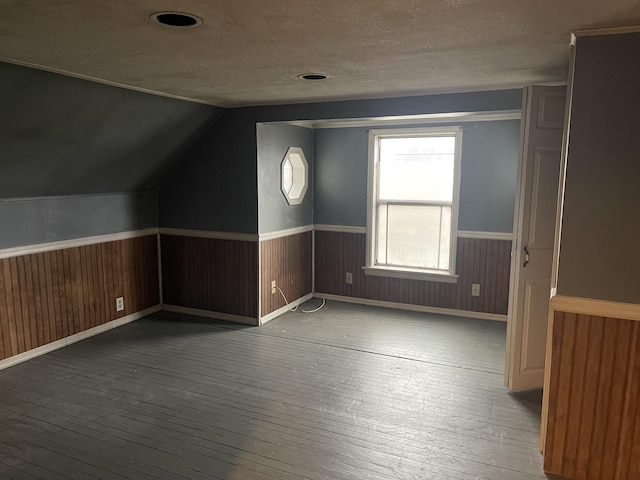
(182, 232)
(196, 312)
(485, 235)
(414, 308)
(419, 119)
(285, 309)
(63, 342)
(74, 242)
(285, 233)
(339, 228)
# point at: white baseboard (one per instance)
(196, 312)
(414, 308)
(285, 309)
(63, 342)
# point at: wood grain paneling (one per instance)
(288, 261)
(210, 274)
(482, 261)
(593, 417)
(48, 296)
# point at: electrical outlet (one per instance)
(349, 278)
(273, 287)
(119, 304)
(475, 289)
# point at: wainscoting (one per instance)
(50, 295)
(593, 412)
(289, 261)
(479, 260)
(210, 274)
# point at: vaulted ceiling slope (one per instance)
(250, 52)
(66, 136)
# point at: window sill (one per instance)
(411, 274)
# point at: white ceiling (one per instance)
(249, 52)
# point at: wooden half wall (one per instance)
(51, 295)
(479, 260)
(289, 261)
(592, 398)
(210, 276)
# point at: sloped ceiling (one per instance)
(250, 52)
(66, 136)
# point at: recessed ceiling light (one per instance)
(177, 19)
(313, 76)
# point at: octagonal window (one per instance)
(294, 175)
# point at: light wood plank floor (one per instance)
(349, 392)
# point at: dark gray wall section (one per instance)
(63, 136)
(273, 141)
(488, 177)
(599, 250)
(216, 186)
(341, 164)
(28, 221)
(487, 185)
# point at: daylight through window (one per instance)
(416, 194)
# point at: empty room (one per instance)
(323, 241)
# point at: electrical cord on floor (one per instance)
(293, 309)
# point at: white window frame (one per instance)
(371, 268)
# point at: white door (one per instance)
(535, 221)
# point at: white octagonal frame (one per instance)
(294, 175)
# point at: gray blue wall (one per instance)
(273, 141)
(599, 249)
(216, 186)
(487, 182)
(28, 221)
(67, 145)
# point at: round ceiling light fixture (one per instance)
(177, 19)
(314, 77)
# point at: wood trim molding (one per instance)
(286, 308)
(485, 235)
(606, 31)
(413, 308)
(285, 233)
(74, 242)
(339, 228)
(63, 342)
(183, 232)
(598, 308)
(196, 312)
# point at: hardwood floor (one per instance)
(349, 392)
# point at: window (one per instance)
(413, 202)
(294, 176)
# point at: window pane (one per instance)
(417, 236)
(381, 243)
(417, 168)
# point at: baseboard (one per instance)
(76, 337)
(414, 308)
(196, 312)
(285, 309)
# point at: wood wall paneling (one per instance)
(287, 260)
(482, 261)
(48, 296)
(593, 420)
(210, 274)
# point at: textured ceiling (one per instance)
(249, 52)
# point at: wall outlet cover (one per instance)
(119, 304)
(475, 289)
